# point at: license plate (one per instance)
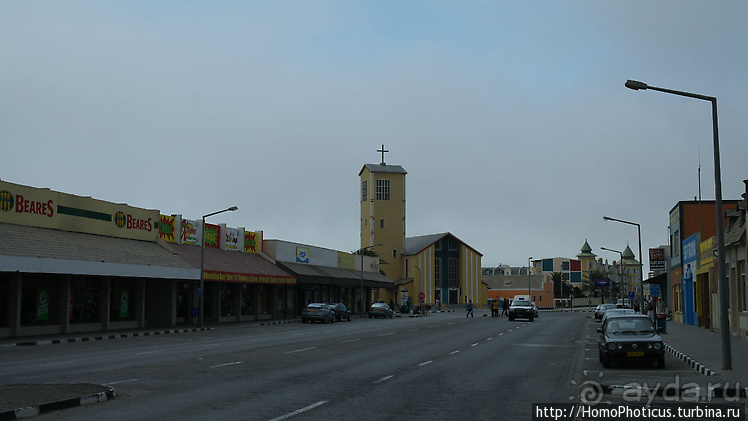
(635, 354)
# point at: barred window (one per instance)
(453, 269)
(383, 189)
(364, 191)
(437, 272)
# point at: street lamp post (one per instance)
(361, 252)
(721, 265)
(641, 259)
(620, 268)
(201, 293)
(422, 290)
(528, 277)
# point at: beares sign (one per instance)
(30, 206)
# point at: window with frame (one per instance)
(383, 189)
(364, 191)
(381, 223)
(743, 292)
(438, 271)
(452, 244)
(453, 268)
(394, 253)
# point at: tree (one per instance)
(590, 282)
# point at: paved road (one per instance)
(443, 366)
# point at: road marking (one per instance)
(147, 352)
(488, 339)
(501, 334)
(299, 350)
(207, 345)
(383, 379)
(387, 334)
(454, 352)
(50, 365)
(475, 344)
(123, 381)
(352, 340)
(299, 411)
(546, 345)
(227, 364)
(425, 363)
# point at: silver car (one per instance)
(318, 312)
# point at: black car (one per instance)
(630, 337)
(341, 311)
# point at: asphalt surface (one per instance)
(699, 347)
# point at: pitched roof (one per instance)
(383, 168)
(414, 245)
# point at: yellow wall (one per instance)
(392, 236)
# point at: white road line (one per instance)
(454, 352)
(53, 364)
(299, 411)
(501, 334)
(227, 364)
(488, 339)
(425, 363)
(475, 344)
(352, 340)
(147, 352)
(123, 381)
(383, 379)
(387, 334)
(299, 350)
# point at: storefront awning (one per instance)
(325, 275)
(28, 249)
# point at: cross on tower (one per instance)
(382, 151)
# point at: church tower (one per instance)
(383, 213)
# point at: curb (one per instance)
(107, 337)
(31, 411)
(690, 361)
(701, 392)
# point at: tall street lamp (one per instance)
(721, 265)
(528, 277)
(620, 266)
(641, 259)
(361, 252)
(201, 292)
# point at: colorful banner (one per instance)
(210, 275)
(212, 236)
(190, 232)
(124, 305)
(42, 305)
(657, 259)
(234, 239)
(250, 242)
(346, 260)
(167, 228)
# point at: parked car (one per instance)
(318, 312)
(380, 310)
(341, 311)
(630, 337)
(616, 312)
(521, 309)
(602, 308)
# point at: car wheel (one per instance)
(661, 362)
(606, 362)
(349, 318)
(511, 319)
(599, 355)
(324, 320)
(531, 318)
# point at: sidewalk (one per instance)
(702, 349)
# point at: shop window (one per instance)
(39, 302)
(208, 299)
(247, 300)
(85, 299)
(280, 303)
(266, 299)
(227, 299)
(290, 298)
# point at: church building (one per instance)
(428, 267)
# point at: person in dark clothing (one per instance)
(505, 307)
(469, 309)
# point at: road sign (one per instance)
(631, 295)
(199, 292)
(654, 290)
(421, 296)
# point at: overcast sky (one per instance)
(511, 117)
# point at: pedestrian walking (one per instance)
(469, 309)
(495, 308)
(505, 309)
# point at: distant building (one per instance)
(441, 266)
